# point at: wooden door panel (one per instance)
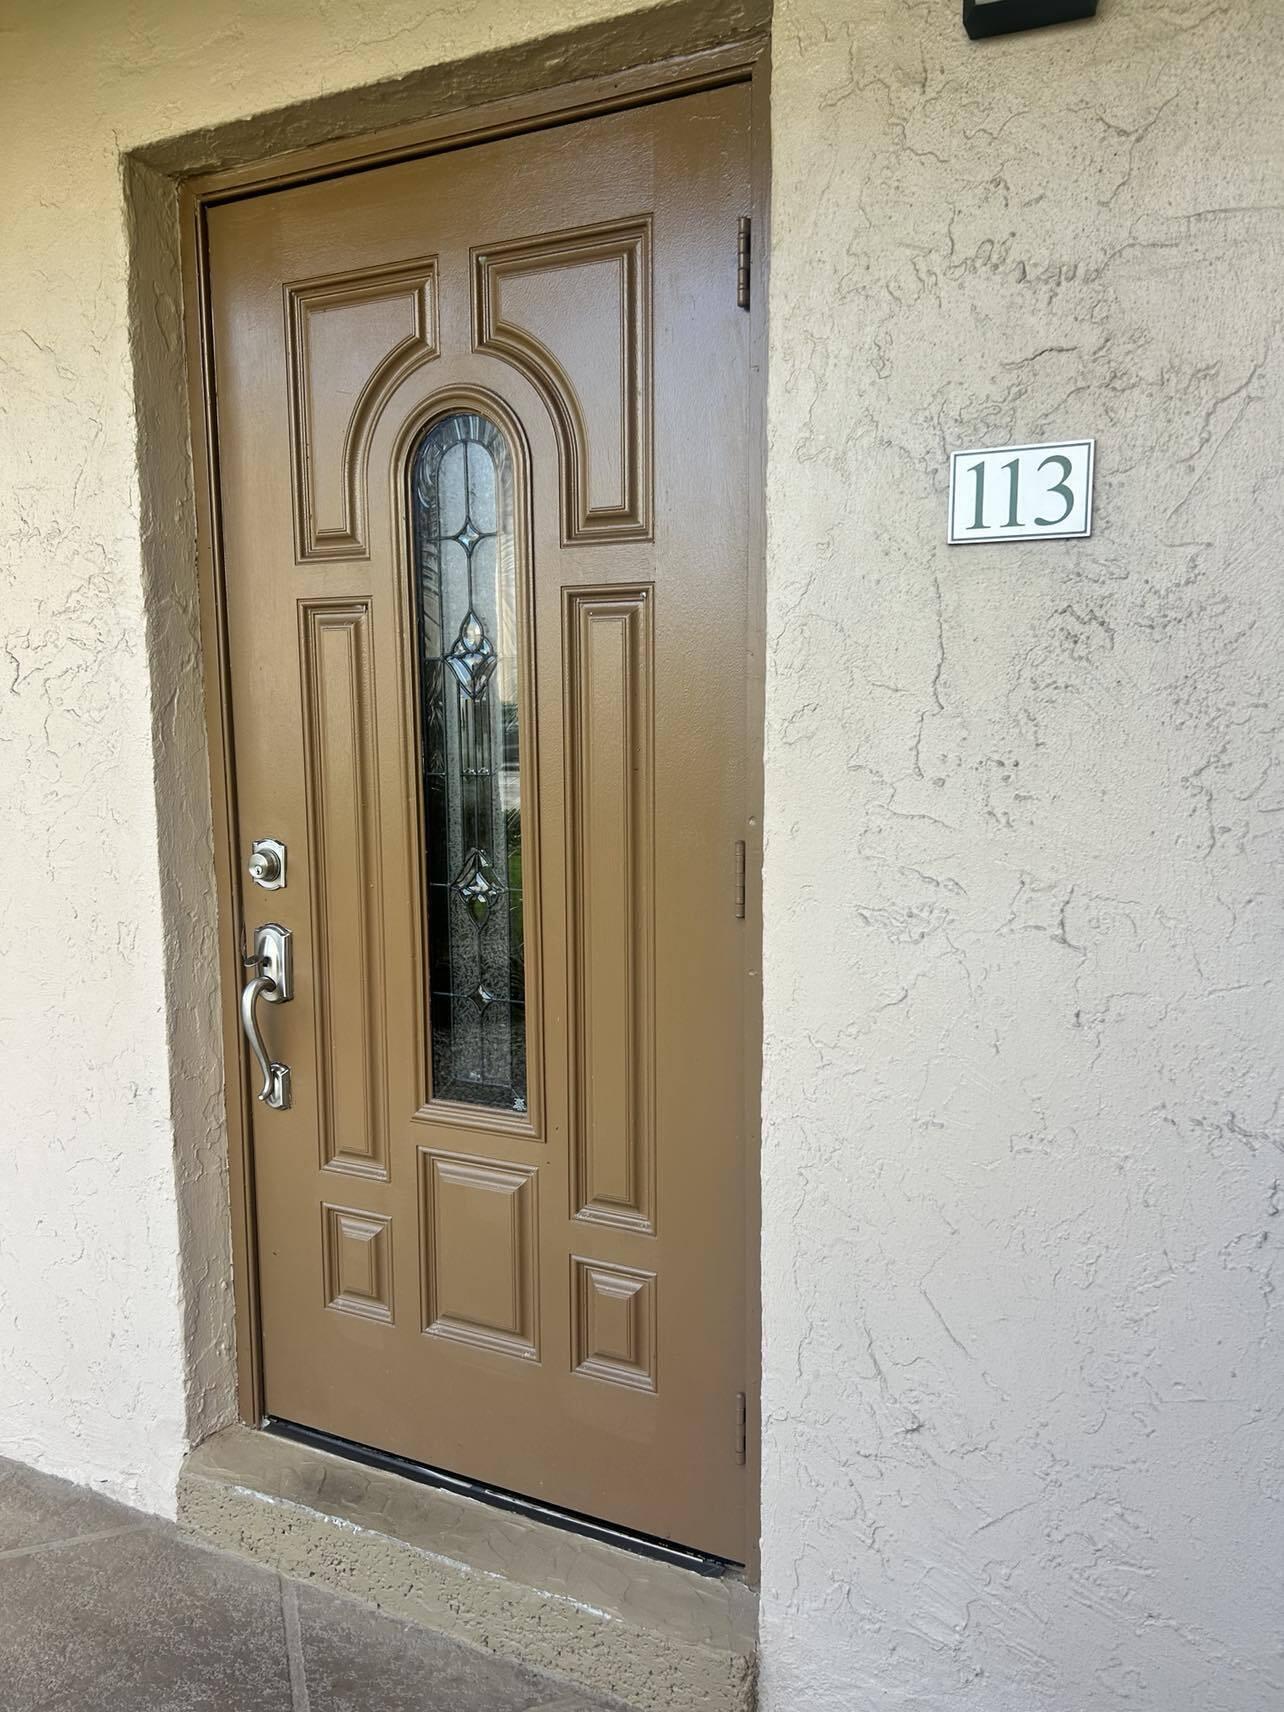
(614, 1312)
(572, 311)
(352, 337)
(341, 790)
(479, 1240)
(356, 1252)
(535, 1278)
(608, 671)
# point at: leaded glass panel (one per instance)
(466, 582)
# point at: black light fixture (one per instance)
(1003, 17)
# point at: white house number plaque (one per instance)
(1022, 493)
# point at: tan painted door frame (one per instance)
(481, 554)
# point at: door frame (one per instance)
(737, 62)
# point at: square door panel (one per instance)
(613, 1309)
(480, 1282)
(356, 1250)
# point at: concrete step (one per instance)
(660, 1638)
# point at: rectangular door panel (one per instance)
(478, 1242)
(609, 903)
(341, 788)
(358, 1269)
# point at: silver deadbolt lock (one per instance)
(267, 863)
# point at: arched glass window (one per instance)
(466, 583)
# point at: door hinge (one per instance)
(742, 262)
(741, 1418)
(740, 879)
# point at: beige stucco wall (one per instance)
(115, 1304)
(1023, 881)
(1025, 807)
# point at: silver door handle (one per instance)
(274, 982)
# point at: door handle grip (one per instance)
(273, 983)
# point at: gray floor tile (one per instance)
(36, 1508)
(577, 1703)
(103, 1609)
(357, 1660)
(140, 1623)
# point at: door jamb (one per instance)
(737, 62)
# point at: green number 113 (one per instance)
(1013, 473)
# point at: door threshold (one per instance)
(643, 1545)
(651, 1635)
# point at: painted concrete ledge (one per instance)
(657, 1637)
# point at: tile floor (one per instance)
(103, 1609)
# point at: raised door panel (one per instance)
(356, 1250)
(479, 1238)
(607, 677)
(614, 1310)
(341, 786)
(572, 311)
(352, 338)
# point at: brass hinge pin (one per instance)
(741, 1417)
(742, 263)
(740, 879)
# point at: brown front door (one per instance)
(482, 434)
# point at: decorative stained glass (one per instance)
(466, 583)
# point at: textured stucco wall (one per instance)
(115, 1325)
(1023, 880)
(1024, 875)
